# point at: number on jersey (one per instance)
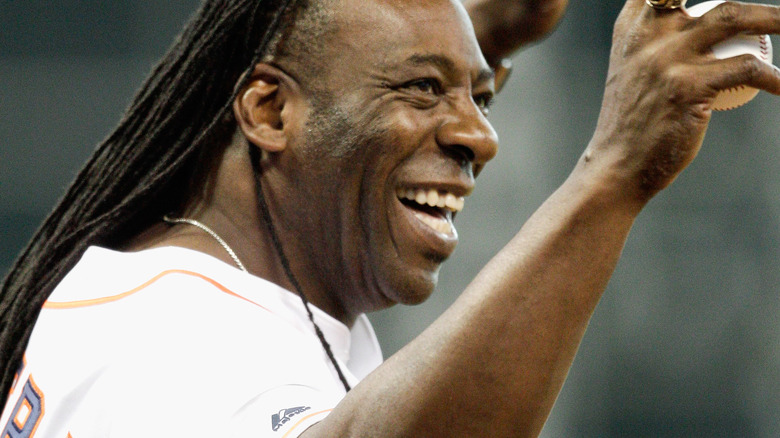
(27, 413)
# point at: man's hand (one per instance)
(661, 84)
(504, 26)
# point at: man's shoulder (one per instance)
(104, 276)
(174, 286)
(171, 304)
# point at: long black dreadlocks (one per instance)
(136, 175)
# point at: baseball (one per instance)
(759, 46)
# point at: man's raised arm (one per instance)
(493, 364)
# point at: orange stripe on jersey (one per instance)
(304, 419)
(117, 297)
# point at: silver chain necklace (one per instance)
(212, 233)
(317, 330)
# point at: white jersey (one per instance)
(170, 342)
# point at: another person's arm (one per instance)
(493, 364)
(504, 26)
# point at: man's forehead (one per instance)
(418, 31)
(379, 16)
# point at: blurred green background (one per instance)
(686, 341)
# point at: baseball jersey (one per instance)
(172, 342)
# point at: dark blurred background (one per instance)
(686, 341)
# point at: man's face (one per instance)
(392, 140)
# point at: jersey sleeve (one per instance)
(179, 356)
(286, 411)
(238, 372)
(194, 396)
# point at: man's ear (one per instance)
(258, 108)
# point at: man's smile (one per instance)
(433, 207)
(427, 210)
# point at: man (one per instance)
(330, 163)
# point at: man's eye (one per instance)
(484, 101)
(427, 86)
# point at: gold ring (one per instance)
(666, 4)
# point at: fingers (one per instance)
(640, 8)
(729, 19)
(747, 70)
(684, 43)
(635, 7)
(663, 81)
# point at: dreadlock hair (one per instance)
(137, 173)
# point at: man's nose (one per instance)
(466, 132)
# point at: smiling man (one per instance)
(291, 166)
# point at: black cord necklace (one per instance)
(254, 156)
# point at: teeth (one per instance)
(420, 197)
(454, 203)
(433, 198)
(441, 225)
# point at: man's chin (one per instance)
(415, 289)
